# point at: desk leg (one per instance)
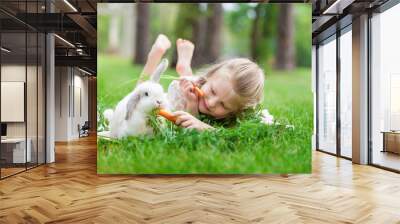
(384, 142)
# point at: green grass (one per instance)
(249, 147)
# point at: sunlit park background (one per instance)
(276, 36)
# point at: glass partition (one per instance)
(13, 109)
(41, 110)
(385, 89)
(22, 67)
(31, 99)
(346, 93)
(327, 95)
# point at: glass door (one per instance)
(22, 77)
(14, 155)
(346, 92)
(385, 89)
(32, 98)
(327, 95)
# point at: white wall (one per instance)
(12, 73)
(33, 126)
(68, 83)
(61, 103)
(80, 83)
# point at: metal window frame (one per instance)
(341, 29)
(326, 40)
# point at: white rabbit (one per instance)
(130, 117)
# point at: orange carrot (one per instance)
(198, 91)
(167, 115)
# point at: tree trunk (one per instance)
(255, 34)
(285, 52)
(199, 28)
(142, 33)
(184, 22)
(113, 35)
(214, 31)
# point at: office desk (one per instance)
(13, 150)
(391, 141)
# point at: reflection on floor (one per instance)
(387, 159)
(10, 169)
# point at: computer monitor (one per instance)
(3, 129)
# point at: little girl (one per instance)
(229, 87)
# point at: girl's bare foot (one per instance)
(185, 50)
(157, 51)
(160, 46)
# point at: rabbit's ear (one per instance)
(131, 105)
(155, 77)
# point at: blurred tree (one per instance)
(103, 28)
(286, 50)
(199, 27)
(239, 24)
(255, 36)
(113, 35)
(163, 20)
(202, 24)
(187, 15)
(142, 32)
(214, 32)
(269, 33)
(127, 31)
(303, 34)
(263, 33)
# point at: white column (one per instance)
(360, 90)
(50, 109)
(50, 92)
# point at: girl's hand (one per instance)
(187, 88)
(192, 100)
(186, 120)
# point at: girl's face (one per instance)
(219, 99)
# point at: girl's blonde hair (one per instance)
(246, 76)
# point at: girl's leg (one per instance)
(157, 51)
(185, 50)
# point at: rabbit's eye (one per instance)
(146, 93)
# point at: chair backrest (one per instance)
(86, 125)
